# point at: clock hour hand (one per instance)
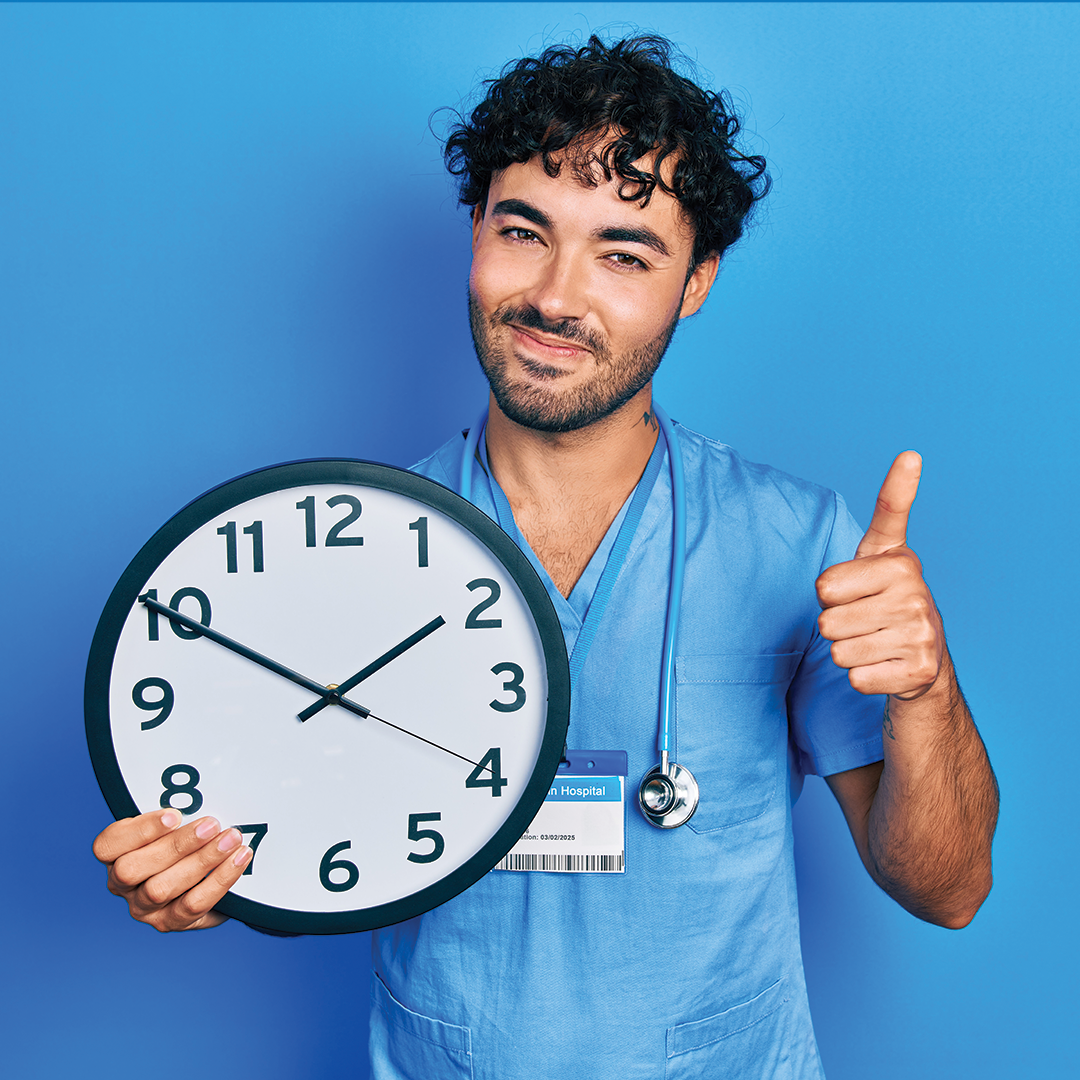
(243, 650)
(391, 654)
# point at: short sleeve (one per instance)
(833, 726)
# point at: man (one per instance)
(604, 190)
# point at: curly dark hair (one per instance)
(612, 105)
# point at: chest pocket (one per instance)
(732, 732)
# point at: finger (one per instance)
(130, 834)
(134, 867)
(888, 527)
(897, 571)
(194, 908)
(887, 677)
(888, 662)
(869, 650)
(847, 582)
(851, 620)
(177, 878)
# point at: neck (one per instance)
(606, 459)
(565, 488)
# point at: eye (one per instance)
(516, 232)
(627, 261)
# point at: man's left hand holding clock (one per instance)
(172, 876)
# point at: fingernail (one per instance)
(242, 856)
(229, 840)
(170, 819)
(205, 829)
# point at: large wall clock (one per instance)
(349, 663)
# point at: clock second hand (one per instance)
(406, 731)
(288, 673)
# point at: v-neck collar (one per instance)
(573, 611)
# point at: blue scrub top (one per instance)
(688, 964)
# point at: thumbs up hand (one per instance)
(876, 609)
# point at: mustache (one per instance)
(567, 329)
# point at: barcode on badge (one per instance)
(564, 864)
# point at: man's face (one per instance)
(574, 294)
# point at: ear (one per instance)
(477, 222)
(697, 288)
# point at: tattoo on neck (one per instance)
(887, 722)
(649, 420)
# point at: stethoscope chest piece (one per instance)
(668, 800)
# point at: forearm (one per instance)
(931, 822)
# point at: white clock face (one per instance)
(447, 654)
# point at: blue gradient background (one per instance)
(226, 240)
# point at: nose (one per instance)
(560, 289)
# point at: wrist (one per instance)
(937, 711)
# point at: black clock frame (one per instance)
(369, 474)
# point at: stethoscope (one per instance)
(668, 793)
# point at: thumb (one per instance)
(888, 527)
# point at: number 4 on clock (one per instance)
(491, 762)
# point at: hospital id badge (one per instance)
(581, 827)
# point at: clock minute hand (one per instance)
(375, 665)
(243, 650)
(308, 684)
(303, 680)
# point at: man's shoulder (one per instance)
(725, 474)
(444, 465)
(768, 517)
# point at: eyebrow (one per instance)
(523, 209)
(619, 234)
(622, 234)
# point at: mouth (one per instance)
(546, 346)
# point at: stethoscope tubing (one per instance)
(687, 794)
(675, 588)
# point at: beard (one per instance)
(543, 405)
